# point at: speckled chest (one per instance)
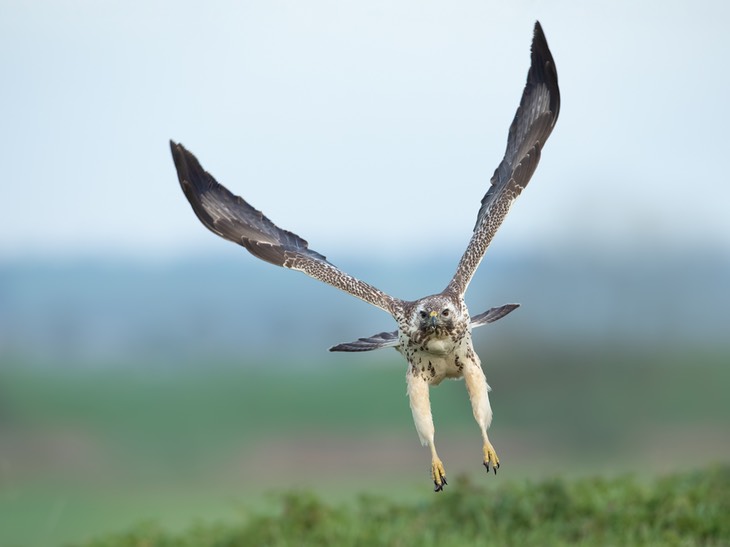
(436, 359)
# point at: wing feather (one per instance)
(492, 315)
(376, 341)
(532, 125)
(232, 218)
(390, 339)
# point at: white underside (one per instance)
(444, 366)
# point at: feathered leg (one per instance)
(476, 386)
(421, 409)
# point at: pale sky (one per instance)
(373, 124)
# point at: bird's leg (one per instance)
(421, 409)
(476, 386)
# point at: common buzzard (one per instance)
(434, 332)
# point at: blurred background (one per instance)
(149, 370)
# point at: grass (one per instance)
(682, 509)
(85, 451)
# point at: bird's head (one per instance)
(437, 315)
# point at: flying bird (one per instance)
(434, 332)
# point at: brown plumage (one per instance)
(434, 332)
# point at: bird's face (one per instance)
(436, 315)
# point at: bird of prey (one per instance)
(434, 332)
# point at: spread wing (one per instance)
(492, 314)
(376, 341)
(232, 218)
(532, 125)
(390, 339)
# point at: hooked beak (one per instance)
(432, 316)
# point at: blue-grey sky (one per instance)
(369, 124)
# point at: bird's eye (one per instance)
(423, 314)
(445, 313)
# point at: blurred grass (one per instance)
(85, 450)
(683, 509)
(212, 401)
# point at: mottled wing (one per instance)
(376, 341)
(532, 125)
(390, 339)
(492, 314)
(232, 218)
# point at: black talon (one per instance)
(495, 468)
(443, 482)
(486, 464)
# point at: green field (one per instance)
(89, 451)
(681, 509)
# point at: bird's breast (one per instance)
(439, 346)
(433, 368)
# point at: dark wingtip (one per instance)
(177, 150)
(538, 30)
(180, 156)
(376, 341)
(543, 67)
(183, 166)
(174, 150)
(538, 37)
(195, 181)
(352, 347)
(492, 315)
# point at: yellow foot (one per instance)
(439, 475)
(490, 457)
